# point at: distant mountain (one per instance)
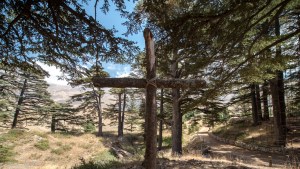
(62, 93)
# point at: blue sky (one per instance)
(110, 20)
(113, 20)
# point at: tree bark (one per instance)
(258, 103)
(151, 121)
(279, 130)
(100, 132)
(266, 115)
(53, 123)
(254, 105)
(142, 83)
(160, 135)
(20, 101)
(99, 110)
(277, 91)
(123, 113)
(120, 134)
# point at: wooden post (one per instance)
(150, 118)
(151, 84)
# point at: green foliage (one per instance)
(6, 154)
(12, 135)
(188, 116)
(104, 157)
(89, 127)
(42, 145)
(70, 44)
(95, 165)
(167, 141)
(223, 116)
(193, 128)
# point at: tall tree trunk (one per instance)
(151, 114)
(279, 129)
(258, 102)
(254, 105)
(123, 113)
(120, 134)
(100, 132)
(21, 98)
(177, 124)
(99, 110)
(53, 123)
(160, 135)
(266, 115)
(277, 91)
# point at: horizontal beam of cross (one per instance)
(142, 83)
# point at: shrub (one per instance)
(42, 145)
(94, 165)
(167, 141)
(89, 127)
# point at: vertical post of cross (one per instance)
(150, 118)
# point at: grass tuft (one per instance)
(95, 165)
(104, 157)
(42, 145)
(61, 149)
(6, 154)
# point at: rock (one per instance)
(37, 138)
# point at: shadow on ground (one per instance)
(163, 163)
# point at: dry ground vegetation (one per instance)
(262, 136)
(39, 149)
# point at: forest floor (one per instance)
(253, 159)
(43, 150)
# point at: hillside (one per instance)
(61, 93)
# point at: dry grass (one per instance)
(42, 150)
(261, 135)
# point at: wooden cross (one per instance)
(151, 84)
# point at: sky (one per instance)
(110, 20)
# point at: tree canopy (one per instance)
(58, 33)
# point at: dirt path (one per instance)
(230, 152)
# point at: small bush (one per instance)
(94, 165)
(167, 141)
(42, 145)
(89, 127)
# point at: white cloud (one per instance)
(54, 73)
(125, 71)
